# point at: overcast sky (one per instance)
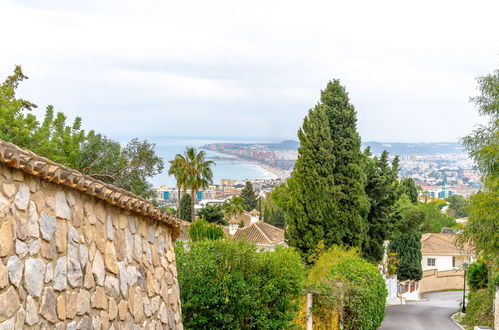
(252, 69)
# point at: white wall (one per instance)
(441, 262)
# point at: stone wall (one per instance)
(434, 280)
(72, 261)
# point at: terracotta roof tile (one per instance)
(261, 233)
(440, 243)
(44, 168)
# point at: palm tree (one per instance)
(233, 207)
(199, 174)
(178, 168)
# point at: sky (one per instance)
(250, 70)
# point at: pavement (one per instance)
(432, 314)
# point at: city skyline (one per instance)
(230, 70)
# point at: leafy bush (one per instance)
(202, 230)
(477, 276)
(228, 284)
(343, 281)
(479, 310)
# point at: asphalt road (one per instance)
(432, 314)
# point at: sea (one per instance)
(233, 169)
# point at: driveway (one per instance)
(434, 313)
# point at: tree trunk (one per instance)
(178, 203)
(193, 192)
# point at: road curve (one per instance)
(434, 313)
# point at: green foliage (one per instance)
(249, 197)
(185, 208)
(482, 229)
(127, 167)
(483, 143)
(203, 230)
(199, 174)
(178, 168)
(213, 214)
(353, 287)
(228, 284)
(434, 219)
(457, 206)
(270, 212)
(479, 310)
(477, 276)
(233, 207)
(408, 249)
(382, 188)
(408, 187)
(325, 193)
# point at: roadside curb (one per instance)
(453, 318)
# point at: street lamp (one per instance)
(465, 267)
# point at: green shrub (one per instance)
(479, 310)
(477, 276)
(228, 284)
(201, 230)
(350, 285)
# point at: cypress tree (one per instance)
(408, 187)
(249, 196)
(185, 207)
(382, 190)
(408, 249)
(349, 176)
(326, 198)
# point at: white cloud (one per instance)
(252, 69)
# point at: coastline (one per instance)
(282, 174)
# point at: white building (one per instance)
(441, 252)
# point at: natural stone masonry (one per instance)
(76, 253)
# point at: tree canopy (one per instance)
(213, 214)
(185, 207)
(128, 167)
(325, 193)
(249, 197)
(382, 188)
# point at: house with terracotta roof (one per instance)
(264, 235)
(441, 252)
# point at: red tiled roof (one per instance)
(440, 243)
(261, 233)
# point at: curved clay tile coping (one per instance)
(44, 168)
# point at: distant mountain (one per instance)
(284, 145)
(396, 148)
(399, 148)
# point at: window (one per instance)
(431, 261)
(453, 262)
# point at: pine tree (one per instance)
(249, 196)
(383, 191)
(408, 249)
(326, 198)
(185, 207)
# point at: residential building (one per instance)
(441, 252)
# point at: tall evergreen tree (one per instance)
(408, 249)
(408, 187)
(382, 190)
(185, 207)
(248, 194)
(325, 194)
